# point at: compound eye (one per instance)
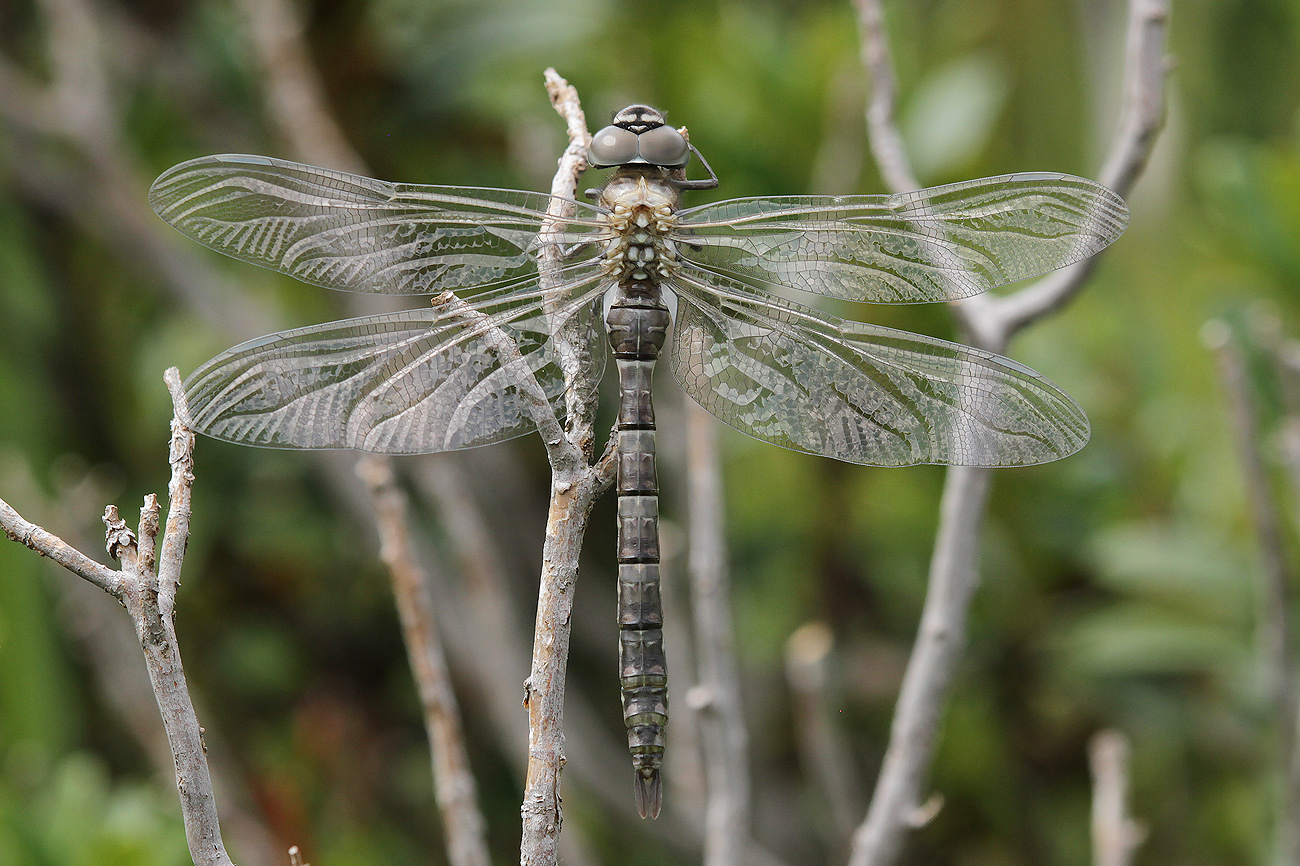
(664, 146)
(611, 146)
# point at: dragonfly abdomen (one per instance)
(637, 328)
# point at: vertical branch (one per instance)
(157, 632)
(454, 786)
(295, 103)
(1276, 640)
(580, 391)
(990, 322)
(725, 740)
(896, 805)
(1115, 836)
(883, 135)
(149, 598)
(575, 484)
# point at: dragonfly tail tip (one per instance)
(649, 792)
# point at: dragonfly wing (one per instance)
(357, 234)
(930, 245)
(411, 382)
(860, 393)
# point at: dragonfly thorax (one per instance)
(642, 214)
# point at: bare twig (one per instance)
(163, 655)
(49, 544)
(716, 697)
(1115, 836)
(295, 98)
(885, 139)
(1142, 114)
(454, 782)
(295, 103)
(990, 322)
(110, 649)
(896, 803)
(580, 389)
(575, 484)
(149, 598)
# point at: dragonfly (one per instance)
(711, 287)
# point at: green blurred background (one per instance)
(1120, 586)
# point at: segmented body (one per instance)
(641, 214)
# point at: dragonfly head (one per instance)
(639, 135)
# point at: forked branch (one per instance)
(990, 322)
(149, 597)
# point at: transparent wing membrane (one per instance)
(354, 233)
(417, 381)
(930, 245)
(437, 378)
(860, 393)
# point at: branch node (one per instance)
(118, 537)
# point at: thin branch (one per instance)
(455, 788)
(509, 357)
(1115, 836)
(157, 632)
(575, 484)
(48, 544)
(295, 103)
(990, 322)
(883, 135)
(896, 805)
(580, 392)
(147, 598)
(716, 697)
(1142, 115)
(112, 652)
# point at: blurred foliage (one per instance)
(1119, 585)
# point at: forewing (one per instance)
(860, 393)
(930, 245)
(354, 233)
(417, 381)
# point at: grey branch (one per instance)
(1115, 836)
(456, 791)
(724, 739)
(149, 598)
(990, 322)
(575, 484)
(884, 138)
(295, 104)
(48, 544)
